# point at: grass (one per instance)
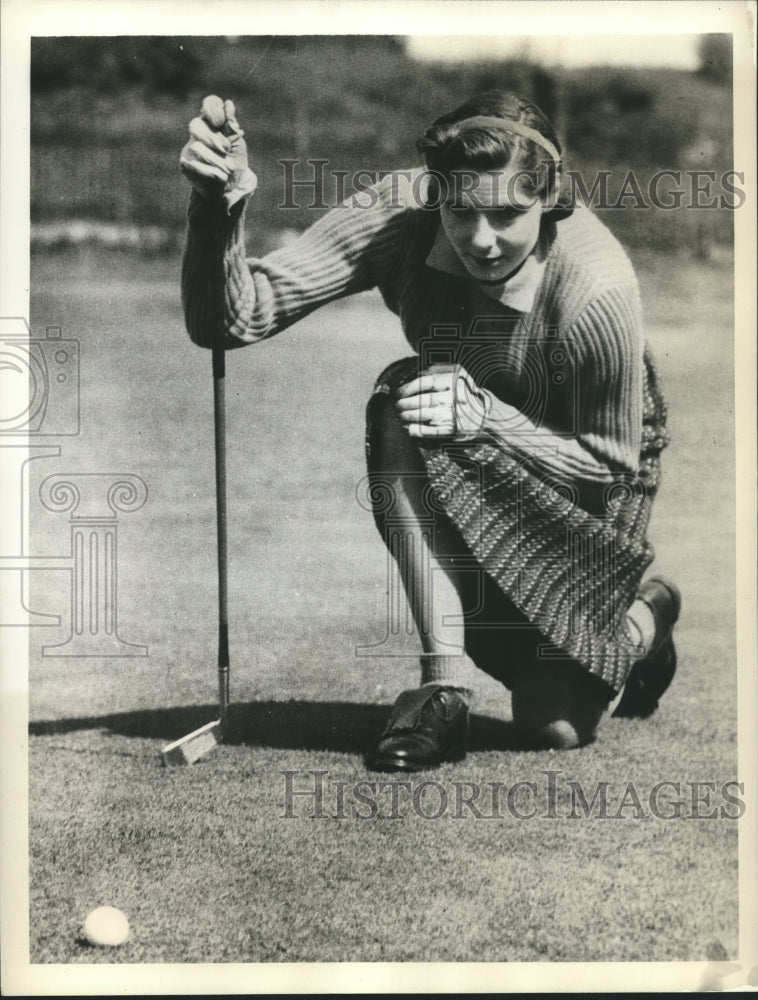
(202, 859)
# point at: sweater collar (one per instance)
(518, 292)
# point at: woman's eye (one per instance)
(496, 215)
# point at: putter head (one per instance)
(194, 745)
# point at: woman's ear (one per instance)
(559, 203)
(552, 195)
(431, 190)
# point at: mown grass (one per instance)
(201, 859)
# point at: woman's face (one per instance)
(491, 220)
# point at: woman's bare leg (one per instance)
(425, 548)
(555, 704)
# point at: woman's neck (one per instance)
(511, 274)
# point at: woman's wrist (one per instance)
(472, 424)
(240, 189)
(496, 417)
(210, 217)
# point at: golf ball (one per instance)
(106, 927)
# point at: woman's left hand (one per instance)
(442, 402)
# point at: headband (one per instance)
(488, 121)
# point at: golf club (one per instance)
(196, 744)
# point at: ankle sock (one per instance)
(452, 671)
(642, 620)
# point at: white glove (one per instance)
(215, 158)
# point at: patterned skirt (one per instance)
(558, 568)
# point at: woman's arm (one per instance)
(589, 438)
(605, 411)
(346, 251)
(543, 449)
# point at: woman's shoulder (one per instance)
(584, 244)
(400, 190)
(400, 199)
(375, 220)
(588, 273)
(392, 202)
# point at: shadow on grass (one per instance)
(343, 727)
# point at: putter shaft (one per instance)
(219, 420)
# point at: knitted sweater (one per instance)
(563, 379)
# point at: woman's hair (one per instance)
(451, 144)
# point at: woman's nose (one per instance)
(482, 236)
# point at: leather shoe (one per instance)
(651, 676)
(426, 727)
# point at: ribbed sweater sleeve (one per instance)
(605, 408)
(348, 250)
(609, 340)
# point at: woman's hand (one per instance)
(442, 402)
(214, 160)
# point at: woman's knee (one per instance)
(390, 449)
(392, 452)
(558, 705)
(562, 734)
(395, 466)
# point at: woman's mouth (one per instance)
(488, 261)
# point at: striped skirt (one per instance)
(560, 568)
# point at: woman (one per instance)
(513, 459)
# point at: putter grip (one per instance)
(219, 361)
